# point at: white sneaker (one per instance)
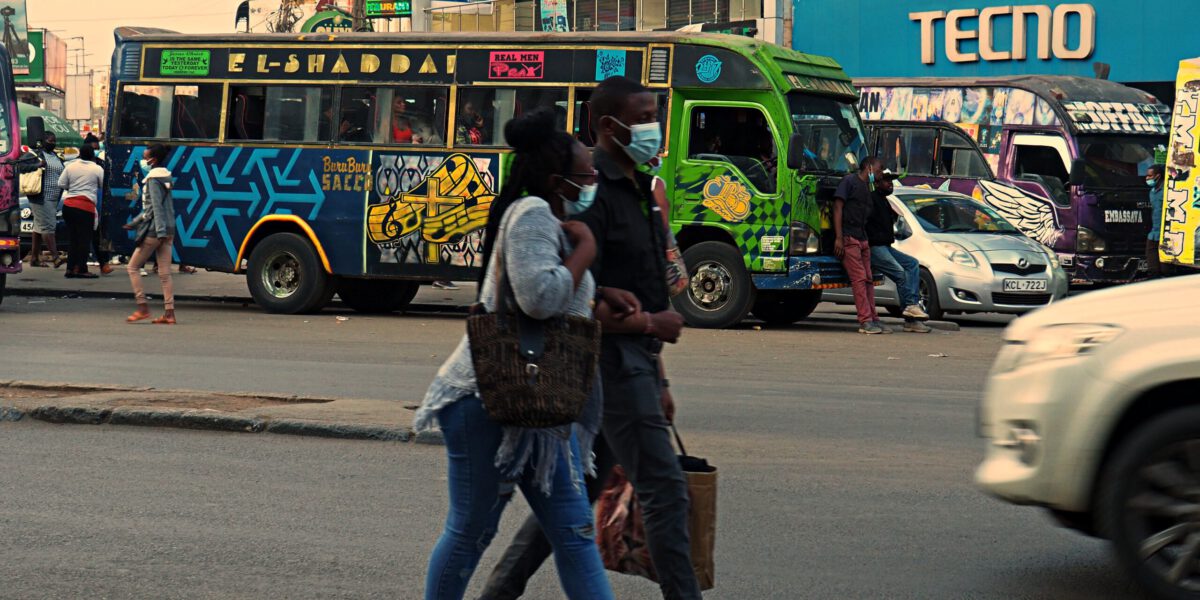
(445, 285)
(914, 311)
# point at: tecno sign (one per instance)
(1048, 24)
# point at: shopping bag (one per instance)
(622, 537)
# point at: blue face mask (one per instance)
(1152, 183)
(871, 178)
(145, 167)
(587, 197)
(644, 141)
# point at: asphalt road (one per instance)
(845, 465)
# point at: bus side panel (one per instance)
(221, 193)
(427, 212)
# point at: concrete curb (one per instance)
(53, 293)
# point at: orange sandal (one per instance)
(137, 316)
(164, 320)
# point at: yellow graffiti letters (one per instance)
(728, 198)
(235, 61)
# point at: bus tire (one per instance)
(285, 275)
(3, 283)
(720, 292)
(376, 295)
(779, 308)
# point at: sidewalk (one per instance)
(201, 286)
(342, 418)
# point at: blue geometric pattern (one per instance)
(220, 193)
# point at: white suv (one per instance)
(1093, 412)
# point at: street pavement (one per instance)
(845, 463)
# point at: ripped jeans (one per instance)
(476, 505)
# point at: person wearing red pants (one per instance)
(852, 206)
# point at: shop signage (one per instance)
(387, 9)
(1050, 26)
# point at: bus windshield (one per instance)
(1112, 162)
(831, 132)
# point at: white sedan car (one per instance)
(972, 260)
(1092, 411)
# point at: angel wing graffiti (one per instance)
(1036, 217)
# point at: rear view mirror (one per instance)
(1078, 171)
(796, 150)
(35, 127)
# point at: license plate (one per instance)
(26, 226)
(1024, 285)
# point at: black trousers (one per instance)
(79, 231)
(100, 244)
(637, 435)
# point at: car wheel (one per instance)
(720, 292)
(376, 295)
(929, 296)
(784, 308)
(1147, 504)
(285, 275)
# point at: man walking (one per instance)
(852, 207)
(902, 269)
(638, 408)
(1154, 181)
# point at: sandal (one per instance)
(137, 316)
(164, 320)
(60, 261)
(187, 269)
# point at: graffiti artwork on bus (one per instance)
(431, 209)
(1035, 216)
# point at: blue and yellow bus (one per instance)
(365, 164)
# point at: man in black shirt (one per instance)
(852, 206)
(902, 269)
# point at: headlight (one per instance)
(1089, 241)
(956, 254)
(803, 240)
(1055, 342)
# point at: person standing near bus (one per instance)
(902, 269)
(546, 263)
(638, 406)
(155, 234)
(81, 182)
(1154, 181)
(101, 245)
(852, 206)
(45, 205)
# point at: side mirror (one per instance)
(35, 127)
(1078, 171)
(901, 229)
(796, 149)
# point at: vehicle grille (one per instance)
(1016, 270)
(1020, 299)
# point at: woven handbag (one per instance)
(530, 372)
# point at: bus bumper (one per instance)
(1106, 269)
(805, 273)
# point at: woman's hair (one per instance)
(86, 152)
(158, 152)
(540, 150)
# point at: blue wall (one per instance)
(876, 38)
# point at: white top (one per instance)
(81, 178)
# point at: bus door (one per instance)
(1037, 167)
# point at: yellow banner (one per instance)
(1181, 207)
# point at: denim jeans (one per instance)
(902, 269)
(476, 504)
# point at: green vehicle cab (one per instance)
(758, 138)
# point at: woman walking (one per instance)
(81, 182)
(155, 234)
(546, 263)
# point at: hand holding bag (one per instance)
(530, 373)
(31, 182)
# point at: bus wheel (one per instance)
(376, 295)
(720, 292)
(3, 282)
(784, 308)
(285, 275)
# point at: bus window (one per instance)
(356, 115)
(960, 158)
(190, 112)
(908, 151)
(278, 113)
(416, 115)
(584, 121)
(738, 136)
(482, 113)
(1042, 159)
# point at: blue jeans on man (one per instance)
(902, 269)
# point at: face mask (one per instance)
(1153, 183)
(871, 178)
(49, 146)
(145, 165)
(587, 197)
(644, 141)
